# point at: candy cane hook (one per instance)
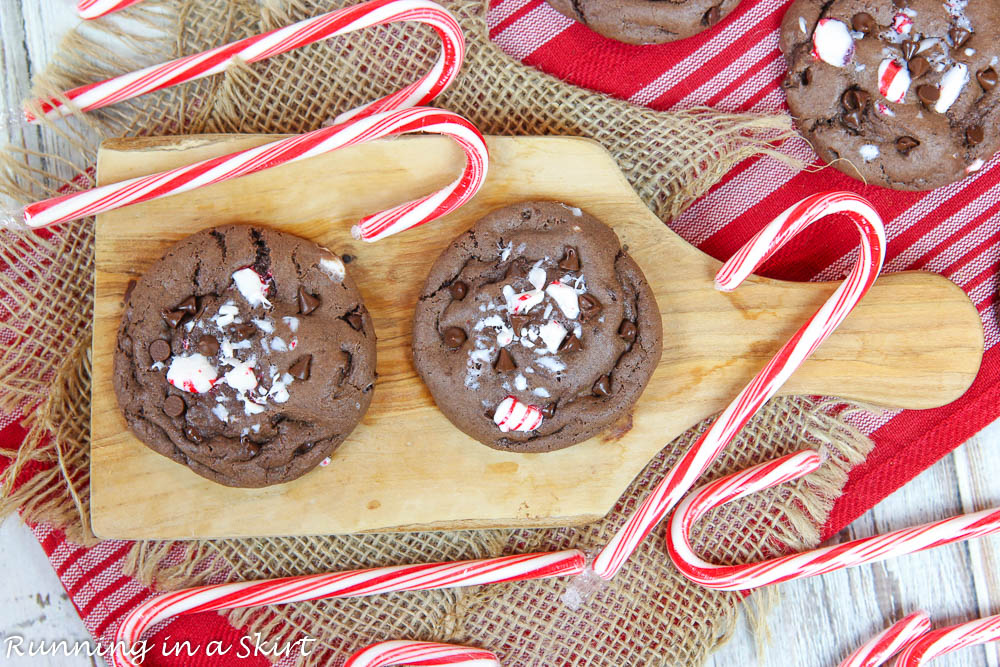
(421, 654)
(939, 642)
(325, 140)
(92, 9)
(888, 643)
(693, 463)
(352, 583)
(259, 47)
(810, 563)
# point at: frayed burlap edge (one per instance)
(670, 159)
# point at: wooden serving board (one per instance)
(916, 342)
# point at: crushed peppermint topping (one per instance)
(252, 287)
(194, 373)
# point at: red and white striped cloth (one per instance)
(734, 66)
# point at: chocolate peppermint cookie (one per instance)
(900, 92)
(535, 329)
(646, 21)
(245, 354)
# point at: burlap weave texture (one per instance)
(648, 615)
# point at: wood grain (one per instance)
(915, 342)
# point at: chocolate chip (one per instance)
(244, 331)
(208, 346)
(900, 3)
(910, 48)
(458, 290)
(307, 302)
(193, 434)
(975, 135)
(454, 337)
(300, 369)
(518, 322)
(354, 319)
(628, 330)
(863, 22)
(128, 291)
(547, 411)
(505, 362)
(987, 78)
(159, 350)
(959, 36)
(250, 449)
(304, 449)
(603, 386)
(928, 94)
(854, 99)
(711, 17)
(918, 67)
(570, 260)
(188, 305)
(174, 406)
(807, 76)
(906, 144)
(589, 307)
(570, 344)
(173, 317)
(852, 120)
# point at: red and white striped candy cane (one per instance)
(371, 228)
(939, 642)
(92, 9)
(421, 654)
(259, 47)
(767, 382)
(888, 643)
(353, 583)
(810, 563)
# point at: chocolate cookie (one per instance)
(535, 330)
(902, 93)
(646, 21)
(245, 354)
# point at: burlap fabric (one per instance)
(648, 615)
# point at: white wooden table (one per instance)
(818, 621)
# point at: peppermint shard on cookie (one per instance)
(245, 354)
(535, 330)
(900, 93)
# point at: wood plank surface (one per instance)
(915, 341)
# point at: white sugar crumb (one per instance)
(158, 366)
(221, 412)
(970, 52)
(520, 382)
(267, 326)
(802, 25)
(505, 250)
(869, 152)
(552, 364)
(333, 267)
(541, 392)
(291, 322)
(279, 344)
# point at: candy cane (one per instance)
(92, 9)
(353, 583)
(887, 643)
(810, 563)
(215, 170)
(421, 654)
(939, 642)
(693, 463)
(259, 47)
